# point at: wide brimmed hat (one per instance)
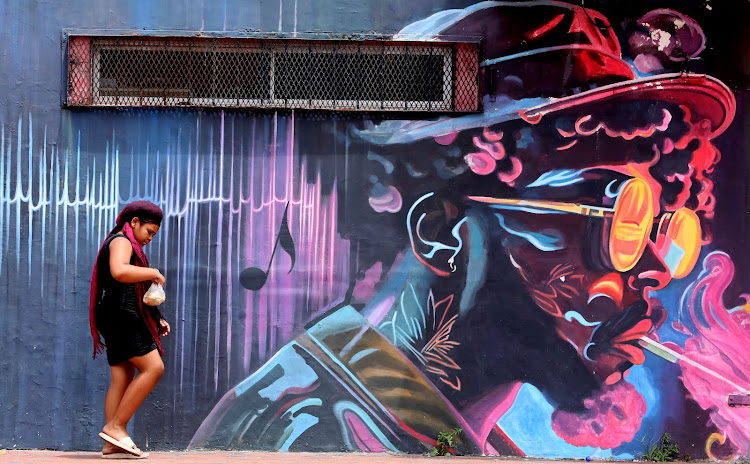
(546, 57)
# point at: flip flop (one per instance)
(126, 444)
(123, 456)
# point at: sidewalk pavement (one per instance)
(258, 457)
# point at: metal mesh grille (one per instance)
(261, 73)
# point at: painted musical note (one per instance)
(254, 278)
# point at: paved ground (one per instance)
(253, 457)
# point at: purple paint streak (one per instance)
(221, 215)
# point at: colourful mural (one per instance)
(560, 275)
(519, 258)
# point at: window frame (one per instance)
(89, 66)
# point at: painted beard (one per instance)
(612, 414)
(612, 417)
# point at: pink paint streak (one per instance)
(515, 171)
(480, 163)
(720, 342)
(446, 139)
(363, 437)
(484, 414)
(365, 288)
(390, 202)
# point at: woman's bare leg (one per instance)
(150, 369)
(121, 376)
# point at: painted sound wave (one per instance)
(36, 189)
(223, 188)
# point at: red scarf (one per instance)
(140, 289)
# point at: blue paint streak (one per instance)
(526, 138)
(19, 194)
(297, 373)
(673, 257)
(541, 241)
(299, 425)
(362, 354)
(558, 178)
(30, 178)
(611, 193)
(574, 315)
(3, 194)
(528, 423)
(527, 209)
(436, 246)
(387, 165)
(477, 265)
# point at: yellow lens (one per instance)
(679, 242)
(631, 224)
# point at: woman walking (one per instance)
(130, 328)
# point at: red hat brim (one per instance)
(707, 98)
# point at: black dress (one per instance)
(118, 317)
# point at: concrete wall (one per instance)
(409, 308)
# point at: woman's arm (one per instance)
(120, 251)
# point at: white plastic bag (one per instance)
(155, 295)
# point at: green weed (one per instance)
(662, 451)
(445, 442)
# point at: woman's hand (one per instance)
(164, 328)
(159, 279)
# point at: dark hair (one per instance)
(656, 132)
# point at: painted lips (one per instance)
(615, 341)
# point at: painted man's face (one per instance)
(591, 242)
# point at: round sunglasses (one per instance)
(628, 227)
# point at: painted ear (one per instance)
(435, 233)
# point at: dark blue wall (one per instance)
(224, 179)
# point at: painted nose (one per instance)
(650, 272)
